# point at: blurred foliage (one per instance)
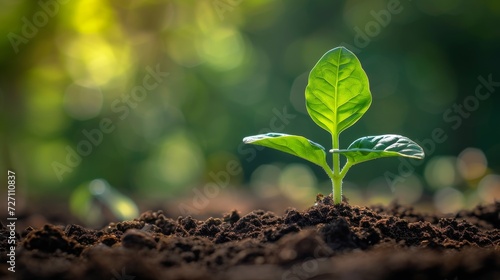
(92, 200)
(238, 68)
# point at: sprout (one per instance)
(337, 96)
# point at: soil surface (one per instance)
(324, 242)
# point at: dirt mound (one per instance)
(324, 242)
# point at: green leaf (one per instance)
(372, 147)
(292, 144)
(338, 92)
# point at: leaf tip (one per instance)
(247, 139)
(420, 155)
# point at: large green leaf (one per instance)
(372, 147)
(338, 92)
(292, 144)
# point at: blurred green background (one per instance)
(226, 69)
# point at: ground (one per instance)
(325, 241)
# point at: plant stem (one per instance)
(337, 178)
(345, 169)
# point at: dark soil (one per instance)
(324, 242)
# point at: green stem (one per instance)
(345, 169)
(337, 178)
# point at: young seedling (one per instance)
(337, 95)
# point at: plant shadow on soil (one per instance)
(325, 241)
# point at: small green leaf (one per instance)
(372, 147)
(292, 144)
(338, 92)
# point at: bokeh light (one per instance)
(489, 189)
(440, 172)
(472, 163)
(180, 161)
(410, 191)
(448, 200)
(297, 182)
(265, 180)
